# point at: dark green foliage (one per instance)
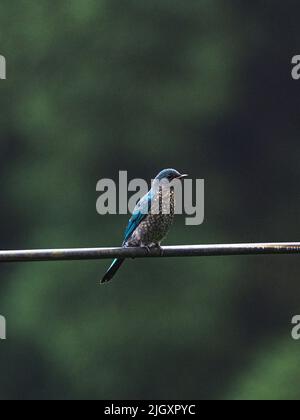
(96, 86)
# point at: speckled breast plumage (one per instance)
(156, 225)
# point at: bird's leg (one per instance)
(147, 248)
(161, 252)
(154, 246)
(158, 247)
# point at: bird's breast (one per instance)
(156, 224)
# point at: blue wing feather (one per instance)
(140, 212)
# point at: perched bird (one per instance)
(151, 218)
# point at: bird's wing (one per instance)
(140, 212)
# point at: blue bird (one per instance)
(151, 219)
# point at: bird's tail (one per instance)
(116, 264)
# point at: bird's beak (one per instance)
(182, 176)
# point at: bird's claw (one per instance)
(159, 248)
(154, 247)
(148, 249)
(161, 251)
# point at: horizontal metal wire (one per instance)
(167, 251)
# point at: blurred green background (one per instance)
(98, 86)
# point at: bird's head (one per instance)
(170, 175)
